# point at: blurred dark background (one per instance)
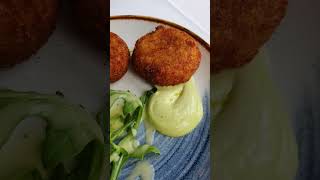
(295, 55)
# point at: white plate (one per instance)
(130, 30)
(181, 158)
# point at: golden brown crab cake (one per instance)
(119, 57)
(25, 27)
(166, 56)
(240, 28)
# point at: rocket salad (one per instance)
(126, 112)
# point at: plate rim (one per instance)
(164, 22)
(201, 42)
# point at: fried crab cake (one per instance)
(25, 26)
(119, 57)
(241, 27)
(166, 56)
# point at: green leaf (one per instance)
(128, 146)
(143, 150)
(128, 108)
(146, 96)
(117, 166)
(129, 143)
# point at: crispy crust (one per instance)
(166, 56)
(25, 27)
(119, 57)
(240, 28)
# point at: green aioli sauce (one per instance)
(144, 170)
(175, 110)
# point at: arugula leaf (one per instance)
(141, 151)
(146, 96)
(127, 109)
(117, 166)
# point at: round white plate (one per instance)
(181, 158)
